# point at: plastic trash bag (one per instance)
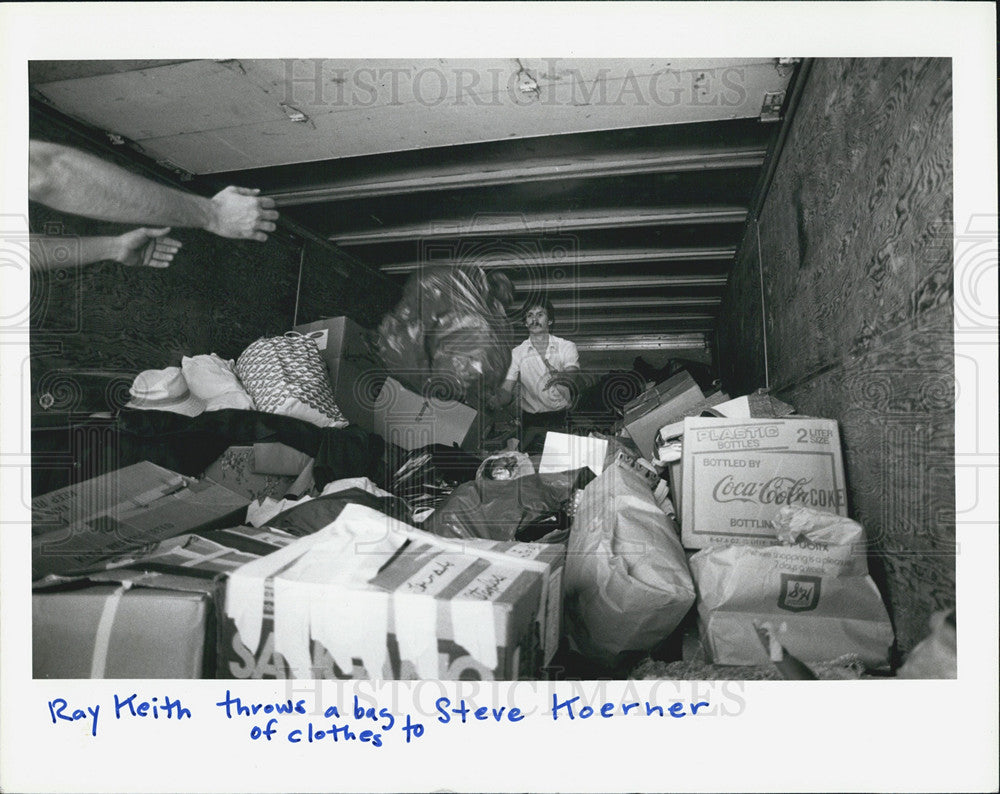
(449, 332)
(426, 477)
(505, 466)
(536, 507)
(627, 584)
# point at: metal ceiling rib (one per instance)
(584, 220)
(584, 258)
(508, 173)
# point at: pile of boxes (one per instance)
(145, 573)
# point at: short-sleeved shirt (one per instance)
(527, 363)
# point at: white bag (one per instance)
(627, 583)
(286, 375)
(813, 588)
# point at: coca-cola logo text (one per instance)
(777, 491)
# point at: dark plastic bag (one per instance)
(449, 332)
(536, 507)
(426, 477)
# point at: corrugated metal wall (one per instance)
(855, 274)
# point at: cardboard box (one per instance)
(104, 631)
(737, 474)
(76, 528)
(234, 469)
(151, 618)
(339, 339)
(439, 609)
(411, 421)
(356, 373)
(661, 405)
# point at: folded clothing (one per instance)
(213, 379)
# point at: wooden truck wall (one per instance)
(855, 270)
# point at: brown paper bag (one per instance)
(813, 588)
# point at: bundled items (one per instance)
(369, 597)
(214, 380)
(810, 590)
(530, 508)
(627, 581)
(356, 373)
(286, 375)
(449, 330)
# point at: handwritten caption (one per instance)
(290, 721)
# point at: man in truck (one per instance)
(545, 372)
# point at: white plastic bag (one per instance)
(627, 584)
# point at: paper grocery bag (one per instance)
(627, 583)
(813, 589)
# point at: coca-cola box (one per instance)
(738, 473)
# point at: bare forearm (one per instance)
(49, 253)
(74, 181)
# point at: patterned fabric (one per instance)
(286, 375)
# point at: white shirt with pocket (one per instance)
(528, 366)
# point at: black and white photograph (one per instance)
(489, 398)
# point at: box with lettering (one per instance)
(78, 528)
(738, 473)
(370, 597)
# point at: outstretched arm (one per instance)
(73, 181)
(139, 247)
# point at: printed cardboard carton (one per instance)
(738, 473)
(412, 421)
(78, 527)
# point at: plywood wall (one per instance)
(855, 278)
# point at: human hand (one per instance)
(147, 248)
(239, 213)
(563, 379)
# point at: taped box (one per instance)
(738, 473)
(149, 617)
(81, 526)
(371, 597)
